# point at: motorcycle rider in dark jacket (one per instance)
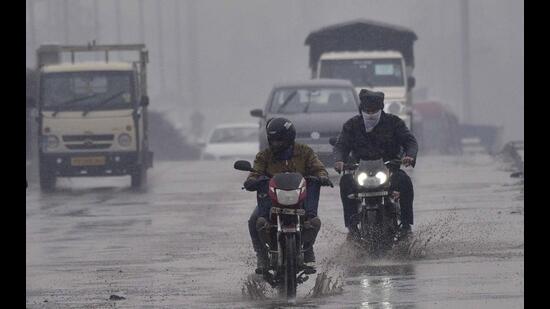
(284, 155)
(372, 135)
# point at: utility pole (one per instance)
(32, 34)
(66, 21)
(141, 23)
(160, 47)
(193, 58)
(177, 33)
(96, 20)
(118, 17)
(466, 93)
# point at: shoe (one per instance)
(309, 262)
(262, 263)
(353, 234)
(404, 230)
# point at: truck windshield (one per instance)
(84, 90)
(365, 72)
(313, 100)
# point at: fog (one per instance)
(222, 57)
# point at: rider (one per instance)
(284, 155)
(373, 134)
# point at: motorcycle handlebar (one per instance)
(309, 178)
(354, 166)
(316, 179)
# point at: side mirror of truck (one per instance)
(31, 103)
(144, 100)
(411, 81)
(257, 113)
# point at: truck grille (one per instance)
(83, 137)
(87, 146)
(88, 141)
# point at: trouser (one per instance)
(400, 182)
(309, 232)
(264, 205)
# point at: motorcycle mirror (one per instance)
(257, 113)
(332, 140)
(242, 165)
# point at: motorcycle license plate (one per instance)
(287, 211)
(88, 161)
(371, 194)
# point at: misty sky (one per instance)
(227, 54)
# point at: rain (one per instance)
(173, 233)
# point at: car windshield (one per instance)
(78, 90)
(234, 135)
(365, 72)
(313, 100)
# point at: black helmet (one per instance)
(280, 134)
(372, 99)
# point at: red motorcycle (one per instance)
(284, 245)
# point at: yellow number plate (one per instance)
(87, 161)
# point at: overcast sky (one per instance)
(222, 57)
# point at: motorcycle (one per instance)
(378, 216)
(285, 246)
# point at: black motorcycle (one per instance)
(378, 216)
(285, 245)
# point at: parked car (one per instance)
(232, 141)
(318, 108)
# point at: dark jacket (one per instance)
(390, 139)
(304, 160)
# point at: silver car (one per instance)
(318, 108)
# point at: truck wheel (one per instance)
(139, 177)
(47, 180)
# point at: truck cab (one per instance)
(92, 117)
(372, 55)
(374, 70)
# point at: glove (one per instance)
(251, 184)
(339, 166)
(325, 181)
(407, 161)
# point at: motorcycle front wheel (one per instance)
(371, 225)
(290, 265)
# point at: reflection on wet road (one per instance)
(183, 243)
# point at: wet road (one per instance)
(183, 243)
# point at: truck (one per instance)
(92, 114)
(372, 55)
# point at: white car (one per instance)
(232, 141)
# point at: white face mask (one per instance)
(371, 120)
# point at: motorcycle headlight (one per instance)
(124, 140)
(51, 141)
(361, 178)
(365, 181)
(382, 177)
(288, 197)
